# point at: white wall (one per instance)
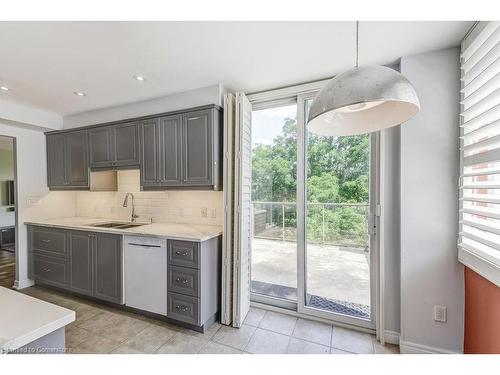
(183, 100)
(33, 197)
(22, 114)
(430, 272)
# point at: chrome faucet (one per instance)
(133, 216)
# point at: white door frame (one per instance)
(302, 226)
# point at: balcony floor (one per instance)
(335, 273)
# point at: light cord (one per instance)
(357, 44)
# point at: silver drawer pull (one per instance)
(182, 308)
(182, 253)
(142, 245)
(183, 280)
(46, 241)
(46, 269)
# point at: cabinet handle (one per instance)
(181, 308)
(182, 280)
(46, 269)
(182, 253)
(46, 241)
(143, 245)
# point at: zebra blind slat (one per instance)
(479, 189)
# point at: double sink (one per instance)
(116, 225)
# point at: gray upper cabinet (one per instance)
(178, 150)
(56, 173)
(170, 150)
(67, 161)
(101, 147)
(114, 146)
(197, 148)
(181, 151)
(150, 153)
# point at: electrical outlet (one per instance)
(440, 313)
(204, 212)
(31, 201)
(213, 213)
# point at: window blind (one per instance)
(479, 225)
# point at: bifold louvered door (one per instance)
(237, 203)
(479, 227)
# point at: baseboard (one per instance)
(391, 337)
(21, 284)
(406, 347)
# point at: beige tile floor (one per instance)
(103, 329)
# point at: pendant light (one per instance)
(362, 100)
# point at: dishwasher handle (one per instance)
(143, 245)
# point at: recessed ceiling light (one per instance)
(79, 93)
(139, 78)
(5, 88)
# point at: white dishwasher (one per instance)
(145, 260)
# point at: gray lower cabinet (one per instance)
(108, 267)
(80, 262)
(114, 145)
(193, 281)
(83, 262)
(67, 161)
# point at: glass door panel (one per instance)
(274, 187)
(337, 243)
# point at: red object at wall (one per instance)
(482, 315)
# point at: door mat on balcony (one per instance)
(340, 307)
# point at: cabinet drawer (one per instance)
(183, 280)
(183, 253)
(183, 308)
(50, 270)
(49, 241)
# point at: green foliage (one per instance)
(337, 172)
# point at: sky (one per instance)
(267, 123)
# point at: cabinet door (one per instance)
(170, 150)
(126, 144)
(80, 262)
(77, 168)
(149, 144)
(56, 177)
(101, 146)
(107, 256)
(197, 152)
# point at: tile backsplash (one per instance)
(192, 207)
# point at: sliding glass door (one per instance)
(335, 235)
(274, 191)
(312, 245)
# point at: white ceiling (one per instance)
(45, 62)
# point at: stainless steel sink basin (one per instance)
(116, 225)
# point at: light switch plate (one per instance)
(440, 313)
(204, 212)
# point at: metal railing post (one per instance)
(323, 225)
(283, 213)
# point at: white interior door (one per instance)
(242, 211)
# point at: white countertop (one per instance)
(24, 319)
(188, 232)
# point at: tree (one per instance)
(337, 172)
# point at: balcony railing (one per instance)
(339, 224)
